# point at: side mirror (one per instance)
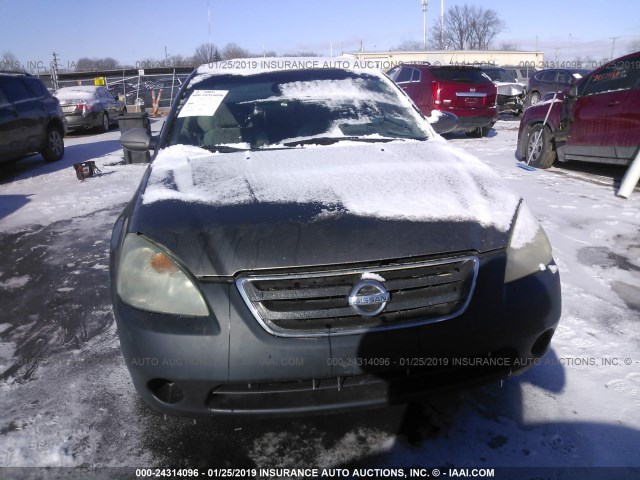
(573, 91)
(444, 122)
(138, 140)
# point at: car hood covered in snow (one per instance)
(222, 213)
(509, 89)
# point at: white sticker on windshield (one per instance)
(203, 103)
(577, 75)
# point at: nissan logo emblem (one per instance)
(368, 298)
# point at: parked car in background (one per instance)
(31, 119)
(595, 120)
(511, 95)
(89, 107)
(552, 80)
(464, 91)
(302, 241)
(521, 74)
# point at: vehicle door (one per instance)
(46, 106)
(24, 132)
(108, 102)
(596, 122)
(563, 80)
(408, 79)
(548, 82)
(10, 128)
(626, 137)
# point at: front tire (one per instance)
(539, 151)
(54, 145)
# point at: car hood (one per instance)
(222, 213)
(508, 88)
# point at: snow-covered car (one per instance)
(511, 94)
(89, 107)
(303, 241)
(595, 120)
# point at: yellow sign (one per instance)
(99, 81)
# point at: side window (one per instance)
(393, 73)
(415, 77)
(36, 87)
(563, 78)
(618, 75)
(549, 76)
(405, 75)
(14, 89)
(3, 98)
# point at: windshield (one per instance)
(499, 75)
(278, 109)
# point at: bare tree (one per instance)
(206, 53)
(301, 53)
(508, 46)
(409, 45)
(10, 62)
(467, 28)
(634, 46)
(86, 64)
(233, 50)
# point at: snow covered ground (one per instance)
(67, 399)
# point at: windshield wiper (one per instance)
(332, 140)
(223, 148)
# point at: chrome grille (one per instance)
(316, 303)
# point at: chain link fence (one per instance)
(139, 90)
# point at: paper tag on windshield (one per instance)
(203, 103)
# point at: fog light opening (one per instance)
(165, 390)
(541, 345)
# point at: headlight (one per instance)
(149, 279)
(529, 247)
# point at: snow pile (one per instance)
(413, 181)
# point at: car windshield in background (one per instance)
(499, 75)
(281, 109)
(73, 94)
(460, 74)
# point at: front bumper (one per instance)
(513, 104)
(228, 364)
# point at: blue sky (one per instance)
(132, 31)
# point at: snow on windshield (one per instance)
(410, 180)
(332, 93)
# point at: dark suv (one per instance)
(552, 80)
(594, 120)
(31, 119)
(464, 91)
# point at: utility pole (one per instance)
(441, 24)
(425, 4)
(54, 71)
(613, 46)
(209, 18)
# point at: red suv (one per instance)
(595, 120)
(464, 91)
